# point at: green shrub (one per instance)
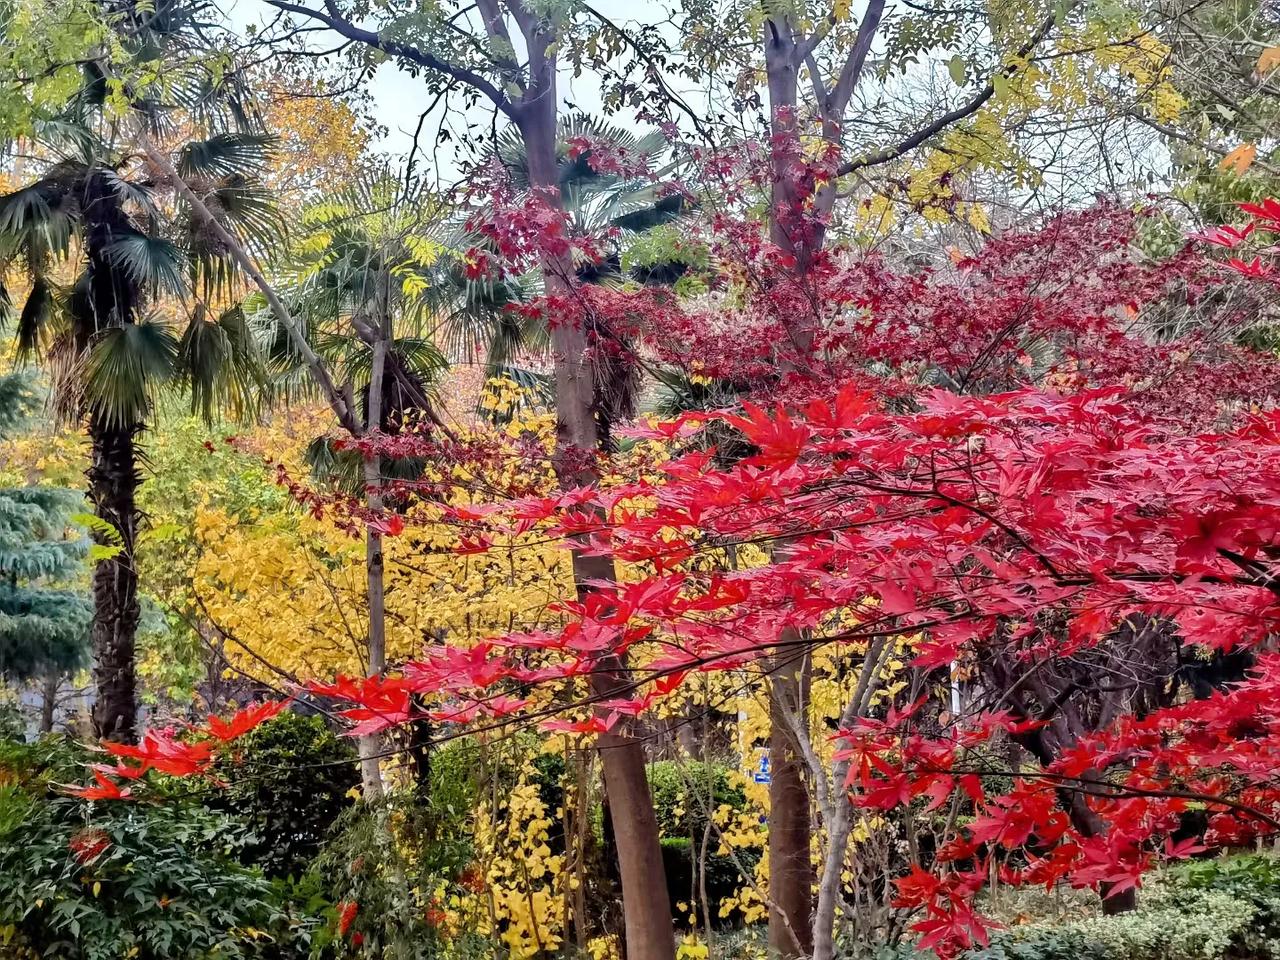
(685, 792)
(290, 779)
(101, 881)
(1226, 909)
(1246, 875)
(380, 857)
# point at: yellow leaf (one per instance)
(97, 887)
(1269, 60)
(840, 10)
(1239, 159)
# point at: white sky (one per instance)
(399, 98)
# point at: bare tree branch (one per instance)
(909, 143)
(331, 18)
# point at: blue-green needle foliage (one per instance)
(44, 626)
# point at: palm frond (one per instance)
(226, 155)
(252, 211)
(38, 218)
(151, 262)
(245, 209)
(642, 209)
(69, 138)
(422, 357)
(220, 363)
(124, 369)
(343, 469)
(33, 321)
(472, 315)
(88, 99)
(136, 194)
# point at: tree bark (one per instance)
(791, 874)
(113, 485)
(371, 746)
(790, 831)
(1091, 824)
(48, 701)
(647, 914)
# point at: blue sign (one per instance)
(761, 774)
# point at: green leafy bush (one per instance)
(1213, 910)
(665, 255)
(685, 793)
(152, 881)
(380, 857)
(290, 779)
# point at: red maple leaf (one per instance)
(244, 720)
(105, 789)
(1229, 237)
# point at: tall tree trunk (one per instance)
(113, 485)
(646, 911)
(48, 700)
(791, 874)
(371, 746)
(1091, 824)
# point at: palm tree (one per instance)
(360, 275)
(362, 269)
(473, 312)
(112, 256)
(596, 199)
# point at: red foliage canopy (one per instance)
(1042, 462)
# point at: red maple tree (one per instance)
(1049, 464)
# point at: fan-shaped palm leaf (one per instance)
(220, 363)
(343, 469)
(225, 155)
(251, 210)
(139, 195)
(66, 139)
(475, 314)
(33, 321)
(37, 221)
(151, 262)
(124, 369)
(246, 209)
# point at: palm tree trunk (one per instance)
(113, 485)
